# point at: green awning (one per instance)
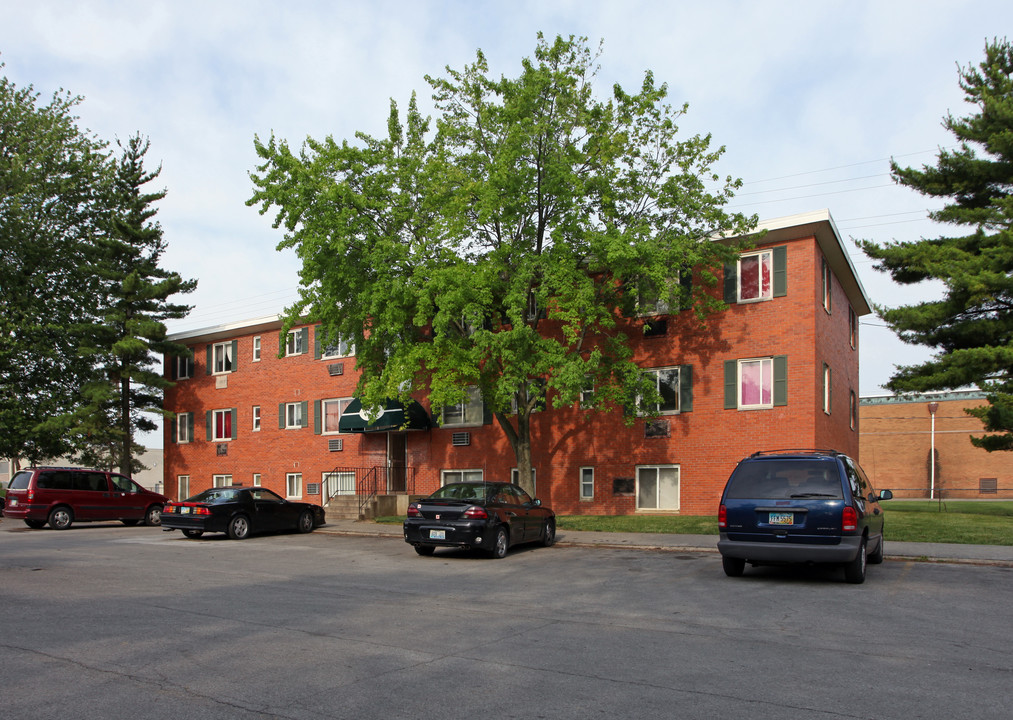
(394, 416)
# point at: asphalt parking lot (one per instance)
(105, 621)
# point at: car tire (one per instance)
(500, 543)
(35, 524)
(877, 557)
(549, 533)
(193, 533)
(425, 550)
(305, 522)
(153, 516)
(733, 567)
(854, 571)
(61, 518)
(239, 527)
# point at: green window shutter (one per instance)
(281, 342)
(316, 342)
(780, 270)
(189, 365)
(780, 380)
(172, 431)
(731, 283)
(731, 384)
(317, 420)
(305, 333)
(211, 360)
(304, 407)
(210, 423)
(235, 421)
(486, 414)
(235, 355)
(189, 426)
(281, 416)
(685, 388)
(686, 281)
(173, 362)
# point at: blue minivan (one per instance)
(800, 506)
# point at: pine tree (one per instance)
(971, 326)
(129, 333)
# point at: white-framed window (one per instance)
(853, 410)
(587, 483)
(221, 357)
(184, 427)
(827, 384)
(295, 342)
(666, 381)
(515, 477)
(828, 286)
(182, 487)
(338, 483)
(256, 418)
(221, 480)
(755, 276)
(342, 348)
(756, 383)
(295, 415)
(658, 487)
(293, 485)
(221, 425)
(470, 411)
(256, 480)
(330, 413)
(453, 476)
(853, 328)
(587, 393)
(184, 367)
(256, 348)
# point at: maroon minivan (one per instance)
(62, 495)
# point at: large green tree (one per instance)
(128, 335)
(499, 250)
(52, 180)
(971, 325)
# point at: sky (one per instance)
(811, 100)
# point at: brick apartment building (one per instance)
(777, 369)
(897, 439)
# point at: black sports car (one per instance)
(239, 511)
(487, 516)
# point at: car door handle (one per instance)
(511, 513)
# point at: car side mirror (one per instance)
(536, 502)
(885, 495)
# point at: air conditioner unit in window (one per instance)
(335, 445)
(460, 438)
(336, 369)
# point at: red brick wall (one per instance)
(705, 443)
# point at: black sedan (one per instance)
(486, 516)
(239, 511)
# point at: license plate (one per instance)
(184, 510)
(14, 502)
(781, 519)
(437, 534)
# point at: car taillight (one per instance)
(722, 517)
(168, 508)
(201, 510)
(849, 519)
(413, 511)
(475, 513)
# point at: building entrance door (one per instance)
(397, 462)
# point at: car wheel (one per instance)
(129, 523)
(500, 543)
(854, 571)
(877, 557)
(193, 533)
(425, 550)
(549, 533)
(35, 524)
(733, 567)
(153, 516)
(61, 518)
(305, 523)
(239, 527)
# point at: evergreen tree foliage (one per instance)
(971, 326)
(499, 250)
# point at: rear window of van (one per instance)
(782, 479)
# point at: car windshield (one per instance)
(215, 496)
(783, 479)
(461, 491)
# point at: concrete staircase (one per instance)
(346, 507)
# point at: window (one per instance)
(454, 476)
(329, 414)
(182, 367)
(256, 479)
(183, 427)
(222, 357)
(221, 480)
(338, 483)
(672, 384)
(325, 349)
(256, 418)
(827, 286)
(515, 477)
(827, 383)
(587, 483)
(471, 411)
(182, 487)
(295, 342)
(256, 349)
(293, 485)
(536, 387)
(756, 383)
(293, 415)
(853, 327)
(757, 276)
(587, 393)
(853, 410)
(221, 425)
(658, 487)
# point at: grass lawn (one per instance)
(955, 521)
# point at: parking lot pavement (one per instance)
(999, 555)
